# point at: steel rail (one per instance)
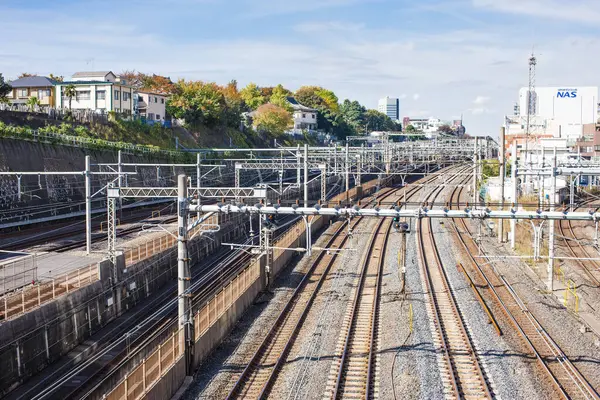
(523, 316)
(458, 386)
(243, 384)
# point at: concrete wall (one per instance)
(73, 318)
(20, 155)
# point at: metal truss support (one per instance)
(208, 192)
(424, 212)
(306, 178)
(111, 228)
(120, 182)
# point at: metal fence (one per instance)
(12, 305)
(209, 314)
(150, 370)
(162, 243)
(18, 273)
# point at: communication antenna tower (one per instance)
(531, 102)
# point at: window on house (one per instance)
(125, 96)
(151, 116)
(101, 95)
(22, 92)
(43, 93)
(156, 99)
(313, 116)
(303, 115)
(162, 101)
(117, 94)
(82, 95)
(157, 117)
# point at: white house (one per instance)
(151, 106)
(99, 91)
(305, 118)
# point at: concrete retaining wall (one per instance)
(36, 339)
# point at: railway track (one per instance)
(355, 367)
(110, 351)
(461, 370)
(259, 375)
(591, 268)
(562, 374)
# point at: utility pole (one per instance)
(501, 155)
(305, 175)
(347, 171)
(88, 205)
(183, 270)
(475, 156)
(551, 234)
(513, 175)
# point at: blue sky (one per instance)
(443, 58)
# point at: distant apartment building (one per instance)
(32, 86)
(429, 126)
(99, 91)
(390, 106)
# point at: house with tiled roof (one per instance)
(305, 118)
(32, 86)
(100, 91)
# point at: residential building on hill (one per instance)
(151, 106)
(99, 91)
(305, 118)
(32, 86)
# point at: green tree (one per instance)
(279, 97)
(252, 96)
(26, 75)
(410, 129)
(272, 119)
(329, 98)
(197, 102)
(309, 97)
(69, 92)
(354, 114)
(32, 103)
(5, 89)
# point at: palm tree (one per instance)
(33, 102)
(70, 92)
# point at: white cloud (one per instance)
(331, 26)
(475, 72)
(481, 100)
(587, 11)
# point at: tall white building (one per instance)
(390, 106)
(558, 112)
